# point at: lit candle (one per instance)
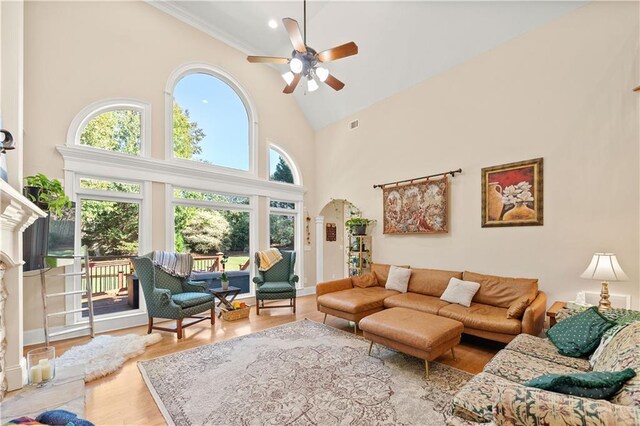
(35, 374)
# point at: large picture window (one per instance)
(210, 122)
(212, 227)
(110, 213)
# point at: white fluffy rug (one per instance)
(105, 354)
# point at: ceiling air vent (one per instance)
(353, 124)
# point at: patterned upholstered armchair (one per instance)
(172, 297)
(279, 282)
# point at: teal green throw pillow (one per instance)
(580, 334)
(595, 385)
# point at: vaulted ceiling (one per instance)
(400, 43)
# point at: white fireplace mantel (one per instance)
(16, 214)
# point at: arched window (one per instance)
(210, 122)
(112, 125)
(281, 168)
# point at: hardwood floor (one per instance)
(122, 398)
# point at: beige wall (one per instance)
(562, 92)
(77, 53)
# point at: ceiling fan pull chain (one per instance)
(305, 21)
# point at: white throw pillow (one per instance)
(398, 279)
(460, 292)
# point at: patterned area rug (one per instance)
(301, 373)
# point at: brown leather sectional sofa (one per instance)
(486, 317)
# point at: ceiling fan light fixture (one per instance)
(312, 86)
(322, 73)
(296, 65)
(287, 77)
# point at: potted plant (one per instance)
(49, 195)
(358, 225)
(224, 279)
(46, 193)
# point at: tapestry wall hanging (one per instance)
(416, 208)
(512, 194)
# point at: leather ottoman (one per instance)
(420, 334)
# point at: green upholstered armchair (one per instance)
(279, 282)
(172, 297)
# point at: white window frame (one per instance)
(297, 177)
(93, 110)
(252, 118)
(251, 208)
(143, 199)
(298, 243)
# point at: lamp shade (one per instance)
(604, 267)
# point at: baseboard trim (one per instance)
(36, 336)
(16, 375)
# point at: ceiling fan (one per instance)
(305, 61)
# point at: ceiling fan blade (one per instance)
(291, 25)
(348, 49)
(290, 88)
(334, 83)
(267, 59)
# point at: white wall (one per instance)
(562, 92)
(77, 53)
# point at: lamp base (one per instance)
(604, 304)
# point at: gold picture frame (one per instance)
(512, 194)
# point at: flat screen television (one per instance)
(49, 236)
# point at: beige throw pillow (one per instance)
(398, 279)
(460, 292)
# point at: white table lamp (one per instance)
(604, 267)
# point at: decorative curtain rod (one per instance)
(451, 172)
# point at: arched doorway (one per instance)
(331, 252)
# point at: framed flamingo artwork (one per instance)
(512, 194)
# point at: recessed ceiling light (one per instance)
(273, 24)
(204, 101)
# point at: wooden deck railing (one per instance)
(110, 275)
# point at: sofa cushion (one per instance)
(431, 282)
(365, 280)
(622, 352)
(417, 302)
(381, 272)
(579, 334)
(483, 317)
(544, 349)
(520, 368)
(475, 400)
(594, 384)
(517, 308)
(519, 405)
(501, 291)
(356, 300)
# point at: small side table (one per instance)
(223, 295)
(553, 310)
